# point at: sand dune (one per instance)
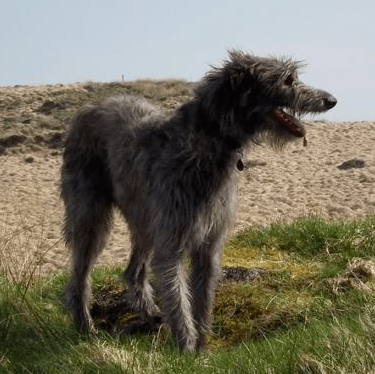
(275, 186)
(280, 186)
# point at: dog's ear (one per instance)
(240, 69)
(237, 68)
(236, 78)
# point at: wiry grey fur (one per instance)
(174, 179)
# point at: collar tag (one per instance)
(240, 165)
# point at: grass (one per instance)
(312, 243)
(289, 320)
(166, 94)
(308, 314)
(39, 121)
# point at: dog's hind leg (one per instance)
(141, 291)
(88, 216)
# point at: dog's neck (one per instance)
(209, 128)
(207, 133)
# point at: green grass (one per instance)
(287, 321)
(310, 242)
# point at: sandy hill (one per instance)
(299, 181)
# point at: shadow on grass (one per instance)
(37, 334)
(245, 308)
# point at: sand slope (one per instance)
(274, 186)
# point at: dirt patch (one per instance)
(113, 311)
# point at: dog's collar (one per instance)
(232, 143)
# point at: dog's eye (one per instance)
(289, 80)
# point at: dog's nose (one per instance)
(330, 102)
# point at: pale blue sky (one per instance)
(66, 41)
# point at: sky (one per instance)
(53, 41)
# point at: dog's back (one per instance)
(95, 131)
(95, 125)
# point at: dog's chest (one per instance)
(218, 213)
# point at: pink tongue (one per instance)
(287, 121)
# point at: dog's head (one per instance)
(260, 95)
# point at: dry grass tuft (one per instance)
(308, 365)
(358, 273)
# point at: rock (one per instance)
(12, 140)
(240, 274)
(355, 163)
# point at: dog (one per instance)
(174, 179)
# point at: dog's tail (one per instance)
(85, 154)
(85, 176)
(85, 130)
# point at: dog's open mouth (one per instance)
(291, 123)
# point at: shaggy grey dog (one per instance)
(174, 179)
